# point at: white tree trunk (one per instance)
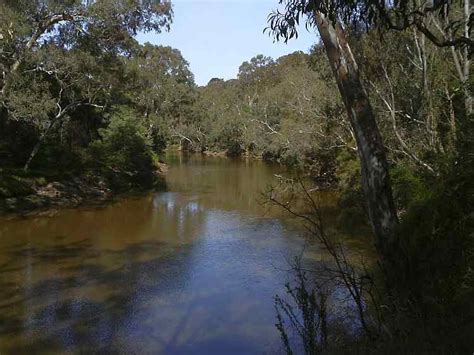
(374, 167)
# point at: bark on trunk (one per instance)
(41, 29)
(32, 155)
(36, 148)
(467, 60)
(373, 161)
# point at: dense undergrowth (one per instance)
(120, 159)
(417, 301)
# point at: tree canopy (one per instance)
(445, 23)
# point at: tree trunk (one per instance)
(32, 155)
(373, 161)
(41, 28)
(467, 60)
(36, 148)
(8, 76)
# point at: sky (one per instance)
(216, 36)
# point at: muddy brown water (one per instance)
(191, 270)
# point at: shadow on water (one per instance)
(141, 295)
(91, 307)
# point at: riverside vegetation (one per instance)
(80, 97)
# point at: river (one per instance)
(190, 270)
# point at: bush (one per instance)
(124, 152)
(408, 188)
(351, 198)
(14, 186)
(16, 183)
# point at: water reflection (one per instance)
(146, 296)
(191, 270)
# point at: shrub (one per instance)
(408, 187)
(124, 152)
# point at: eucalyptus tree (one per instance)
(254, 75)
(60, 56)
(55, 85)
(329, 17)
(279, 109)
(162, 88)
(416, 94)
(222, 111)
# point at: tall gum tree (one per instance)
(371, 150)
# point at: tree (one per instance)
(59, 57)
(124, 148)
(162, 89)
(415, 91)
(57, 83)
(374, 168)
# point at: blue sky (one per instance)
(216, 36)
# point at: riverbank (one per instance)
(228, 154)
(23, 194)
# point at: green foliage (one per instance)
(63, 62)
(351, 199)
(15, 183)
(432, 272)
(13, 186)
(280, 110)
(73, 78)
(123, 151)
(348, 170)
(377, 14)
(409, 188)
(162, 90)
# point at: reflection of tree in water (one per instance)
(228, 184)
(148, 295)
(177, 217)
